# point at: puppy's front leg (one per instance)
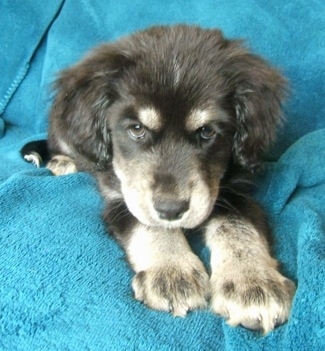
(246, 286)
(169, 276)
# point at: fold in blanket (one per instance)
(64, 283)
(24, 25)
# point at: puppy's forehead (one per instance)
(199, 117)
(150, 117)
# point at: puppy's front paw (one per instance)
(257, 302)
(61, 165)
(177, 286)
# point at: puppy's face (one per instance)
(169, 109)
(170, 164)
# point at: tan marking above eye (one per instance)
(150, 118)
(201, 118)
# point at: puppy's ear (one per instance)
(84, 94)
(258, 93)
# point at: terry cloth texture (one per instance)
(64, 283)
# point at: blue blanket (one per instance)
(64, 283)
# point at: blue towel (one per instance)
(64, 283)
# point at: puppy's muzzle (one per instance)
(171, 210)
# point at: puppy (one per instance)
(172, 121)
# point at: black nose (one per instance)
(171, 210)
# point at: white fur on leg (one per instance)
(169, 276)
(246, 286)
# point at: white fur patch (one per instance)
(34, 158)
(150, 118)
(201, 117)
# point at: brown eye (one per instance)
(207, 133)
(137, 131)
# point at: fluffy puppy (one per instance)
(172, 121)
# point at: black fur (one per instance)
(93, 95)
(214, 69)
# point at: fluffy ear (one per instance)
(84, 94)
(258, 93)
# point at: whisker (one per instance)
(226, 205)
(122, 214)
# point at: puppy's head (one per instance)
(169, 109)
